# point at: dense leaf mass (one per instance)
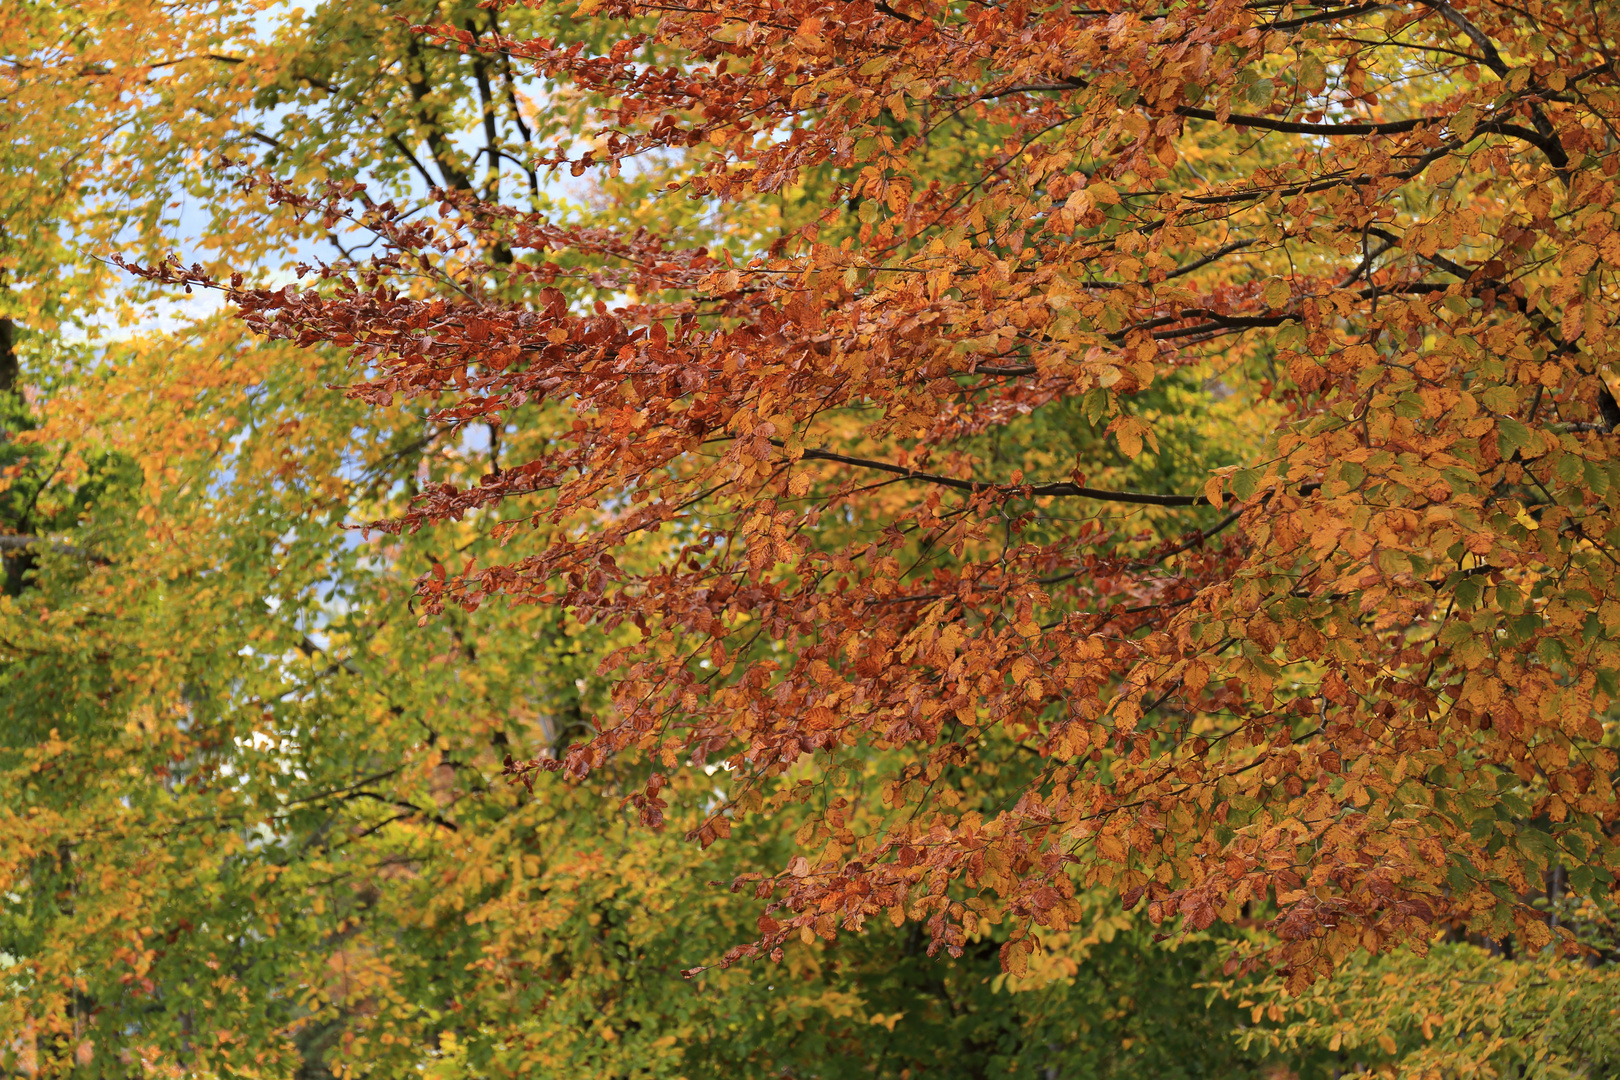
(1323, 674)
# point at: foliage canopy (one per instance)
(980, 463)
(910, 460)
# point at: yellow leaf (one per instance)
(1130, 439)
(1103, 194)
(887, 1020)
(1111, 847)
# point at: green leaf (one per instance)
(1095, 405)
(1597, 478)
(1511, 436)
(1313, 74)
(1498, 399)
(1552, 651)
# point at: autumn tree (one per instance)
(252, 817)
(904, 454)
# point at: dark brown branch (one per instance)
(486, 102)
(24, 543)
(414, 160)
(1061, 490)
(1327, 16)
(1492, 58)
(1265, 123)
(1394, 127)
(1217, 254)
(438, 145)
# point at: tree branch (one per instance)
(23, 543)
(1062, 490)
